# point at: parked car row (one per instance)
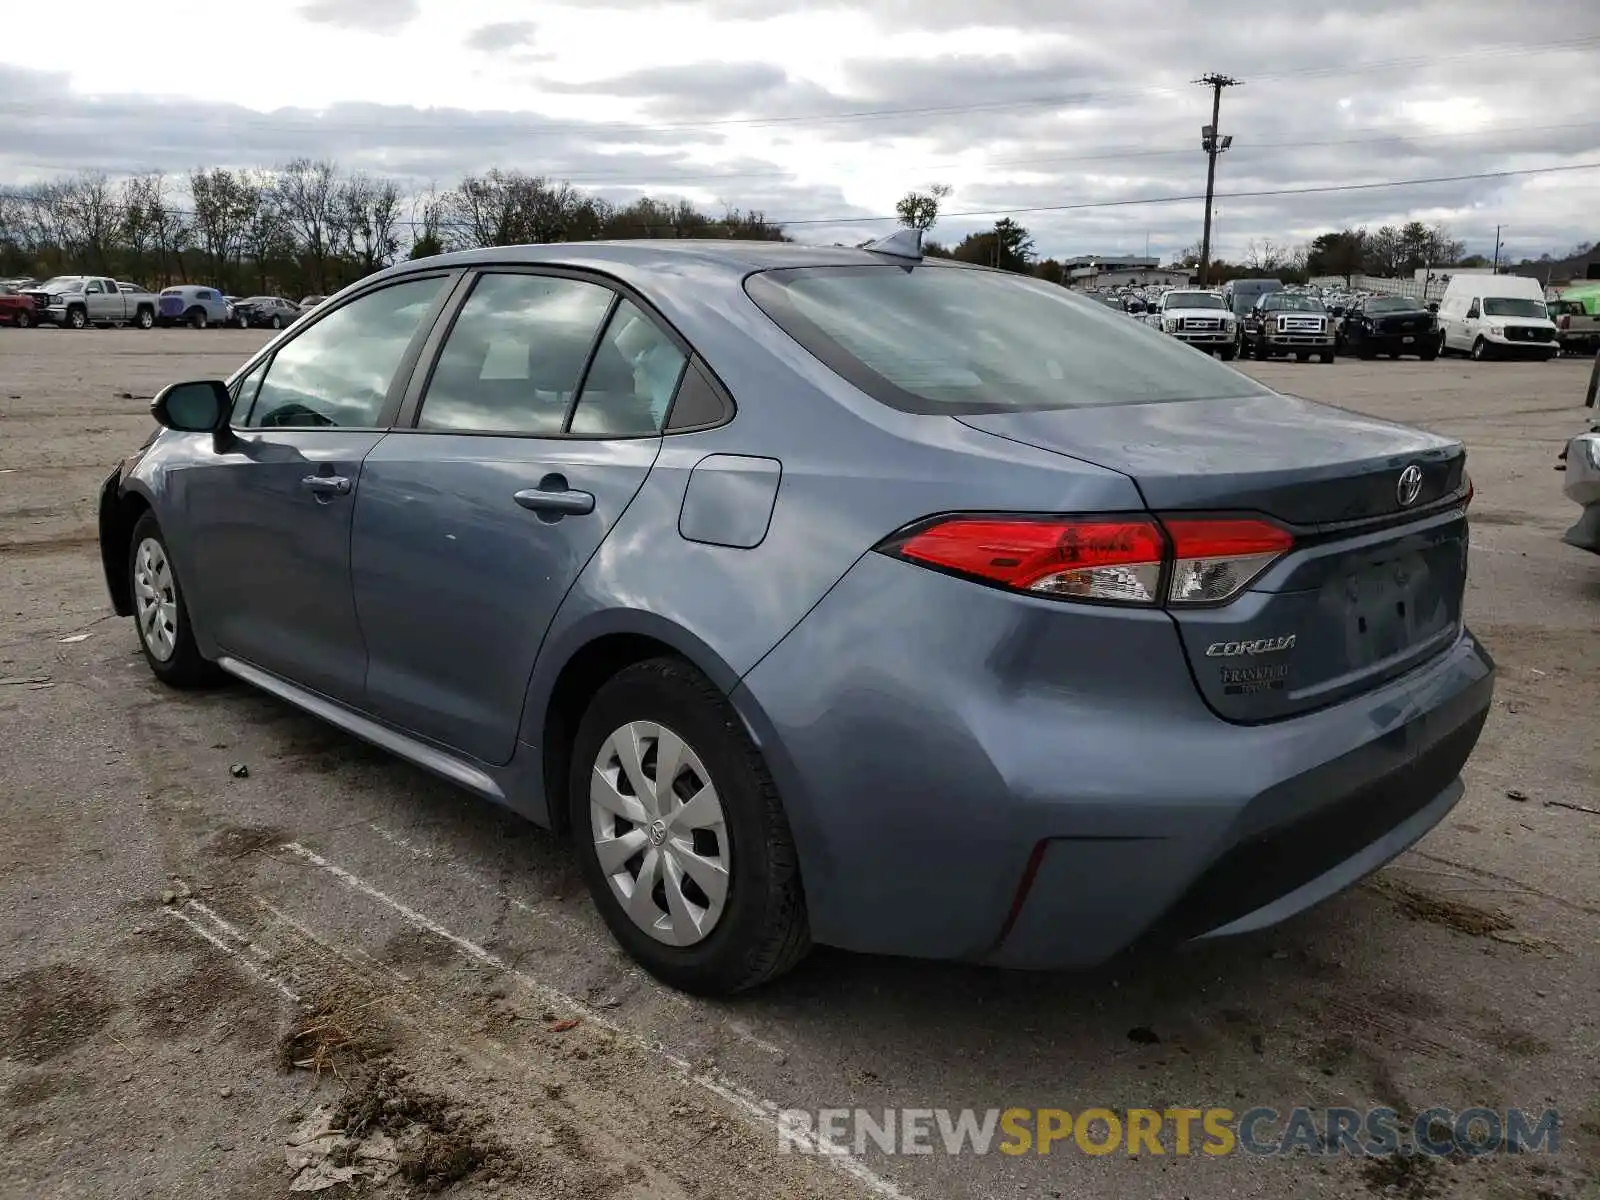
(81, 301)
(1482, 316)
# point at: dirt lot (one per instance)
(203, 970)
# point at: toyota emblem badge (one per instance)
(1409, 486)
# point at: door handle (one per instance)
(561, 501)
(326, 485)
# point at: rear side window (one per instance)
(513, 359)
(950, 340)
(631, 382)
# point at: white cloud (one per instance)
(1042, 104)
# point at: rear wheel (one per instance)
(1429, 354)
(146, 319)
(276, 322)
(197, 318)
(24, 319)
(680, 833)
(159, 611)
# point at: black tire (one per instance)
(145, 319)
(77, 318)
(1480, 350)
(197, 318)
(1429, 355)
(1261, 351)
(1326, 356)
(185, 668)
(276, 322)
(24, 319)
(1226, 353)
(1302, 356)
(762, 931)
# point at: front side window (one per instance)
(338, 372)
(94, 288)
(632, 379)
(952, 340)
(515, 356)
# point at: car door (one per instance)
(536, 427)
(95, 302)
(268, 510)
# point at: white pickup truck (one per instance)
(1199, 318)
(78, 301)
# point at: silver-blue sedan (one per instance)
(827, 594)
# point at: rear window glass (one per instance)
(953, 340)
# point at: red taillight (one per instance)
(1216, 557)
(1124, 559)
(1117, 558)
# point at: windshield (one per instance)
(953, 340)
(1393, 304)
(258, 300)
(62, 283)
(1505, 306)
(1193, 300)
(1283, 302)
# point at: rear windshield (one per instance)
(1505, 306)
(952, 340)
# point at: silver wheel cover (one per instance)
(659, 833)
(155, 599)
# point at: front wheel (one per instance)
(197, 318)
(1326, 356)
(77, 318)
(680, 833)
(1226, 353)
(159, 611)
(1480, 350)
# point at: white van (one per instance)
(1496, 316)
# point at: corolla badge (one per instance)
(1409, 486)
(1269, 645)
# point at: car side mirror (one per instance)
(200, 406)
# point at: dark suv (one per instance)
(1392, 325)
(1283, 323)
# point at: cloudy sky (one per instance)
(823, 113)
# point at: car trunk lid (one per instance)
(1374, 583)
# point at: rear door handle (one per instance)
(326, 485)
(563, 500)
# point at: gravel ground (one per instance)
(200, 971)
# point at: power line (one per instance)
(316, 124)
(643, 175)
(1305, 191)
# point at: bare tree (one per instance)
(265, 236)
(920, 210)
(137, 200)
(221, 212)
(1266, 255)
(307, 196)
(503, 208)
(426, 213)
(367, 217)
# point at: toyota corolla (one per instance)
(828, 595)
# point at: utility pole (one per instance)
(1213, 144)
(1495, 270)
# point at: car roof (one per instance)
(730, 257)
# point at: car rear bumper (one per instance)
(1403, 343)
(975, 775)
